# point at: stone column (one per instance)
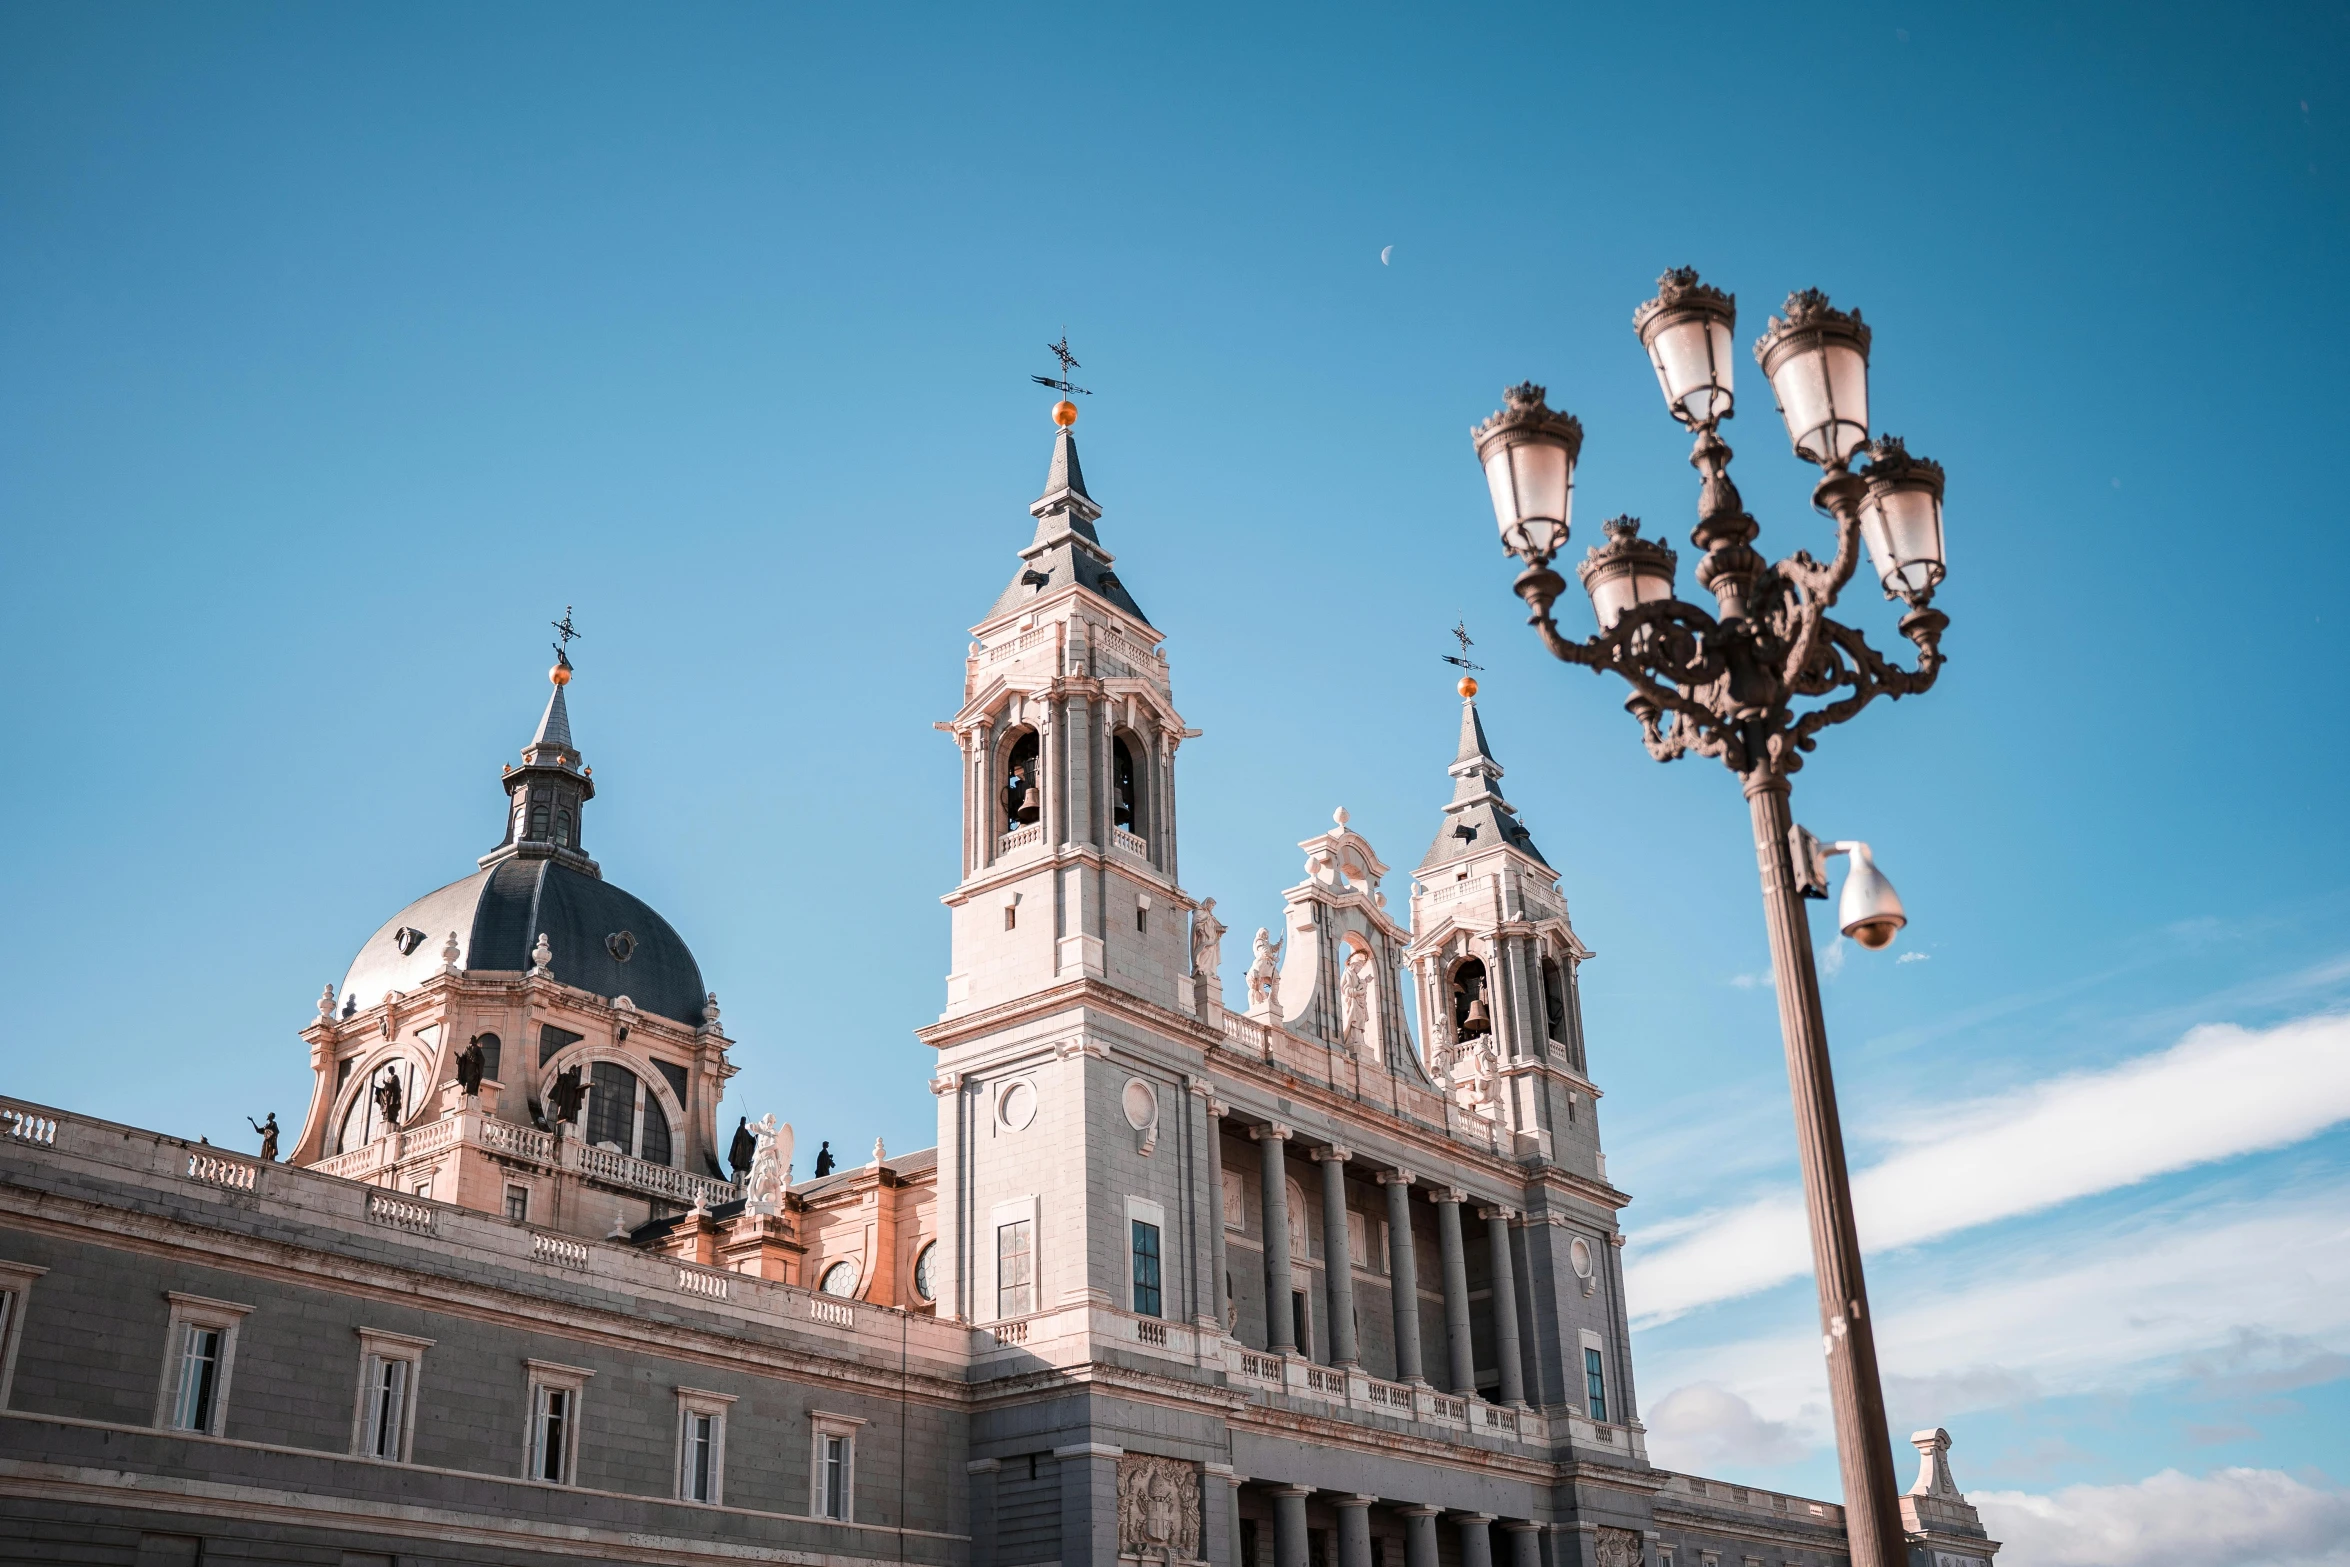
(1463, 1359)
(1354, 1530)
(1403, 1274)
(1089, 1502)
(1220, 1517)
(1289, 1527)
(1476, 1540)
(1525, 1543)
(1280, 1334)
(1338, 1259)
(1505, 1305)
(1419, 1536)
(983, 1472)
(1219, 1262)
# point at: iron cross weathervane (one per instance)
(1060, 351)
(1461, 633)
(564, 633)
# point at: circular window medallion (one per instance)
(1579, 1257)
(840, 1279)
(621, 944)
(926, 1272)
(1141, 1103)
(1017, 1105)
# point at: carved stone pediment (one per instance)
(1158, 1508)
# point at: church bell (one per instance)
(1479, 1021)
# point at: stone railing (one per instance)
(400, 1213)
(235, 1175)
(525, 1142)
(1026, 640)
(619, 1169)
(1139, 847)
(561, 1250)
(1020, 838)
(25, 1127)
(1752, 1499)
(1357, 1077)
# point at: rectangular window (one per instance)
(1146, 1269)
(833, 1484)
(1595, 1384)
(1142, 919)
(518, 1204)
(391, 1365)
(551, 1448)
(550, 1434)
(200, 1367)
(836, 1477)
(1011, 917)
(200, 1353)
(701, 1445)
(387, 1407)
(1015, 1268)
(16, 1288)
(423, 1188)
(1301, 1320)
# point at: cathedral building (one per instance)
(1331, 1278)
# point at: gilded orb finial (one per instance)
(1064, 413)
(561, 674)
(1468, 686)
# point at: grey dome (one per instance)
(498, 914)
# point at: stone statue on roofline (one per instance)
(268, 1131)
(770, 1163)
(1264, 969)
(743, 1151)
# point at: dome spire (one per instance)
(546, 793)
(1066, 548)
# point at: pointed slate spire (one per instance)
(553, 740)
(1066, 548)
(1478, 820)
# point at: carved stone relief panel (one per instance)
(1158, 1508)
(1615, 1548)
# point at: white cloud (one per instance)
(1832, 960)
(2240, 1297)
(2219, 1092)
(2245, 1517)
(1915, 957)
(1705, 1425)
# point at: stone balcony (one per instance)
(384, 1161)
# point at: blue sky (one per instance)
(341, 348)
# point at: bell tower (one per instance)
(1496, 966)
(1068, 733)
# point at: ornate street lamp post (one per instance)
(1754, 684)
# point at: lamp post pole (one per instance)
(1753, 685)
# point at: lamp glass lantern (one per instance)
(1687, 330)
(1528, 451)
(1817, 359)
(1901, 520)
(1627, 570)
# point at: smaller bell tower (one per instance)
(1068, 733)
(1496, 966)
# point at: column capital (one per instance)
(1271, 1131)
(1224, 1472)
(1089, 1450)
(947, 1083)
(1292, 1490)
(982, 1466)
(1353, 1499)
(1333, 1153)
(1616, 1239)
(1473, 1518)
(1520, 1526)
(1451, 1194)
(1396, 1177)
(1420, 1510)
(1498, 1212)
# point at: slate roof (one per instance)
(1066, 548)
(1478, 818)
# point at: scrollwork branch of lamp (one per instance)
(1754, 684)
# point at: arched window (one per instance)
(1125, 786)
(1023, 795)
(623, 1112)
(563, 827)
(1472, 1009)
(538, 821)
(363, 1118)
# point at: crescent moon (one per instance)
(1385, 253)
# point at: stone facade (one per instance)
(1300, 1285)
